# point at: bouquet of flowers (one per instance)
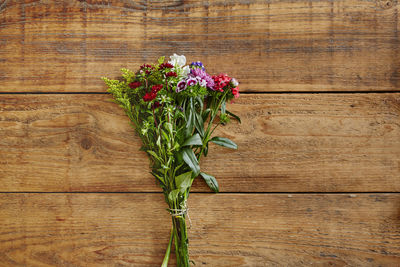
(175, 109)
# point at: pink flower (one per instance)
(180, 86)
(191, 82)
(235, 92)
(203, 77)
(220, 81)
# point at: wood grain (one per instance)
(53, 144)
(287, 143)
(344, 45)
(227, 230)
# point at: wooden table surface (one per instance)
(316, 178)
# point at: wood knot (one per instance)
(86, 143)
(386, 4)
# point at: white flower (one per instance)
(203, 83)
(177, 60)
(234, 82)
(185, 71)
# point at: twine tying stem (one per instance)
(181, 212)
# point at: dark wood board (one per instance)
(227, 229)
(60, 46)
(287, 143)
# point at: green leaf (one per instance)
(168, 126)
(161, 60)
(178, 167)
(191, 160)
(236, 117)
(189, 124)
(168, 251)
(205, 151)
(184, 181)
(190, 118)
(205, 114)
(211, 181)
(128, 75)
(161, 179)
(200, 102)
(225, 142)
(179, 158)
(154, 155)
(199, 124)
(158, 142)
(165, 135)
(173, 195)
(194, 140)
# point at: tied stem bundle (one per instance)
(175, 110)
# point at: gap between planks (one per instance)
(203, 193)
(244, 93)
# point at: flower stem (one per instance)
(168, 251)
(208, 132)
(181, 241)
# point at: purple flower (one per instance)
(191, 81)
(181, 86)
(203, 75)
(197, 64)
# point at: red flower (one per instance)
(149, 96)
(235, 92)
(153, 94)
(171, 74)
(135, 85)
(146, 66)
(220, 81)
(156, 88)
(156, 104)
(166, 66)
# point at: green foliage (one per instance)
(184, 181)
(194, 140)
(173, 195)
(225, 142)
(175, 129)
(190, 158)
(211, 181)
(195, 91)
(161, 60)
(236, 117)
(128, 75)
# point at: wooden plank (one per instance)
(227, 230)
(310, 45)
(287, 143)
